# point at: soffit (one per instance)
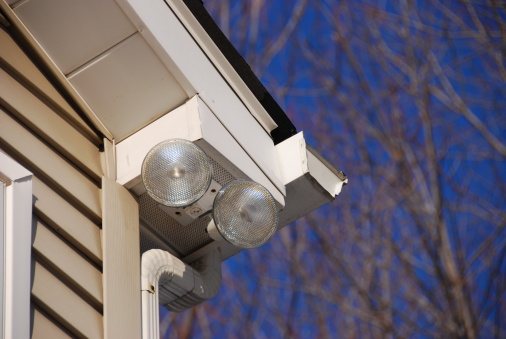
(100, 53)
(79, 35)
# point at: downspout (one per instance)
(167, 281)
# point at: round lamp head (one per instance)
(176, 173)
(245, 214)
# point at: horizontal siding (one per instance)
(41, 131)
(67, 221)
(49, 166)
(72, 267)
(45, 328)
(11, 56)
(51, 127)
(59, 301)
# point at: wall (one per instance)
(41, 131)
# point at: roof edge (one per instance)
(285, 127)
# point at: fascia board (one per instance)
(196, 73)
(221, 63)
(297, 158)
(192, 121)
(310, 180)
(292, 157)
(231, 152)
(327, 176)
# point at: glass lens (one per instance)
(245, 213)
(176, 172)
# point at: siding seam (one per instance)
(49, 102)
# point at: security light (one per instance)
(176, 173)
(198, 183)
(244, 214)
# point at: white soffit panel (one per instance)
(74, 32)
(192, 121)
(183, 56)
(128, 87)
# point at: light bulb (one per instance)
(245, 214)
(176, 173)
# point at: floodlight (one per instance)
(176, 173)
(244, 214)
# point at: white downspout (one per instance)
(167, 281)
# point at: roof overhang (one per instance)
(304, 181)
(146, 70)
(168, 54)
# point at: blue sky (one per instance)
(409, 99)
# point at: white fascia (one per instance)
(309, 179)
(297, 158)
(222, 64)
(16, 245)
(195, 71)
(208, 47)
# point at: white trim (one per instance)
(121, 262)
(297, 158)
(193, 121)
(2, 255)
(183, 286)
(17, 248)
(221, 63)
(195, 72)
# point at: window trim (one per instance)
(15, 246)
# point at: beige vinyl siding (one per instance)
(42, 132)
(71, 266)
(65, 219)
(64, 305)
(44, 328)
(54, 129)
(49, 166)
(12, 58)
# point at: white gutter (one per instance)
(167, 281)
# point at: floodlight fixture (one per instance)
(244, 214)
(176, 173)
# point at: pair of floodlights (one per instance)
(178, 174)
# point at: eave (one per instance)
(69, 54)
(134, 67)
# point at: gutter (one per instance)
(233, 68)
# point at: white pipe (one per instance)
(167, 281)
